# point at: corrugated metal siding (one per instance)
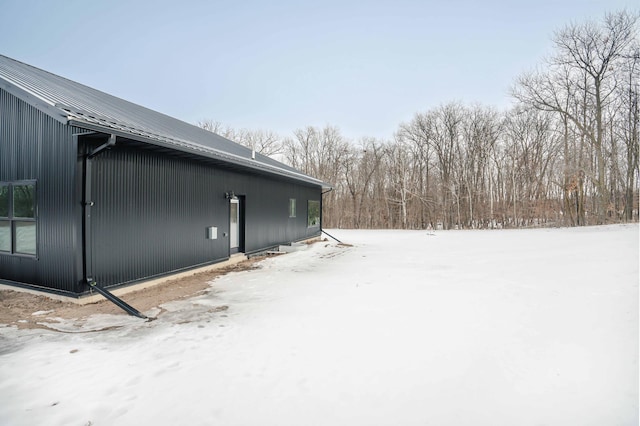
(267, 212)
(149, 216)
(35, 146)
(151, 212)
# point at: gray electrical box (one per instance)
(212, 233)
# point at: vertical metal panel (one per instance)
(35, 146)
(150, 215)
(151, 212)
(267, 211)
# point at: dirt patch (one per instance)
(25, 310)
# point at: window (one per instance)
(313, 213)
(18, 217)
(4, 200)
(292, 207)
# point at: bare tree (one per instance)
(627, 125)
(447, 134)
(264, 142)
(321, 153)
(216, 127)
(534, 146)
(360, 165)
(567, 153)
(584, 63)
(481, 128)
(419, 134)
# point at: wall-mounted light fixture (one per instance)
(230, 195)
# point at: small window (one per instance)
(292, 207)
(313, 213)
(18, 228)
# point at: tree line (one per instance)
(566, 153)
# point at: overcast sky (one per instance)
(363, 66)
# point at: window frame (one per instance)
(15, 223)
(318, 217)
(292, 208)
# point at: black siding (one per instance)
(151, 211)
(35, 146)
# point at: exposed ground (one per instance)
(25, 310)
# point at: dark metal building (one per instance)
(97, 189)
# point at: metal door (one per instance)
(234, 225)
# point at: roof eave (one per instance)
(199, 151)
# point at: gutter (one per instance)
(192, 148)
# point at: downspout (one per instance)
(322, 230)
(87, 203)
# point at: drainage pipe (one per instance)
(117, 301)
(322, 230)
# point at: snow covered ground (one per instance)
(520, 327)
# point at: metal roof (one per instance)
(76, 104)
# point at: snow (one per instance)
(527, 327)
